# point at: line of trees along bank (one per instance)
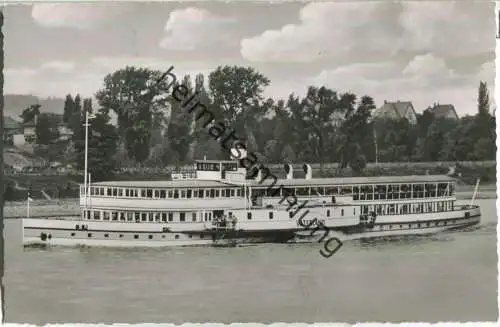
(323, 126)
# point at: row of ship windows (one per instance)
(162, 217)
(418, 225)
(136, 236)
(369, 192)
(408, 208)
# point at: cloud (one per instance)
(58, 78)
(448, 28)
(423, 80)
(74, 15)
(59, 66)
(376, 30)
(192, 28)
(323, 31)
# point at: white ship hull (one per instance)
(60, 232)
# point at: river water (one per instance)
(445, 277)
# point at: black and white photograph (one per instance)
(248, 162)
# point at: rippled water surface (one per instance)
(449, 276)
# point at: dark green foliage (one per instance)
(46, 129)
(324, 126)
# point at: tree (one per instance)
(238, 91)
(69, 106)
(46, 129)
(102, 148)
(30, 113)
(483, 99)
(179, 131)
(136, 96)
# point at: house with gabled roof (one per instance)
(397, 110)
(446, 111)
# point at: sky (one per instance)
(424, 52)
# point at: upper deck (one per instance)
(223, 182)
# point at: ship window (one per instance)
(157, 194)
(144, 216)
(170, 194)
(137, 217)
(331, 191)
(163, 216)
(202, 236)
(97, 215)
(89, 234)
(302, 191)
(136, 236)
(105, 215)
(228, 193)
(342, 212)
(201, 193)
(157, 216)
(249, 216)
(106, 235)
(114, 214)
(207, 193)
(150, 237)
(170, 216)
(163, 194)
(238, 192)
(190, 236)
(212, 193)
(163, 236)
(328, 213)
(176, 194)
(217, 193)
(122, 216)
(194, 216)
(182, 216)
(127, 192)
(195, 193)
(271, 215)
(354, 211)
(120, 192)
(176, 237)
(150, 216)
(183, 194)
(188, 193)
(232, 193)
(108, 191)
(121, 235)
(72, 234)
(130, 216)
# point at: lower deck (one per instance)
(69, 236)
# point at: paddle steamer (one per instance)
(217, 203)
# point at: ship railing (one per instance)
(184, 175)
(224, 223)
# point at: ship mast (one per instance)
(85, 178)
